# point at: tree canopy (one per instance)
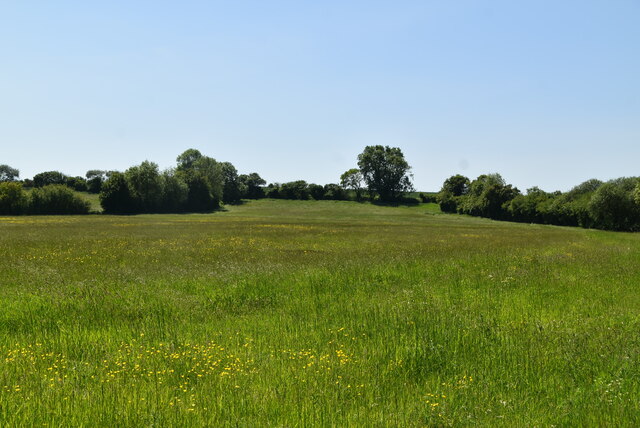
(352, 179)
(385, 171)
(8, 173)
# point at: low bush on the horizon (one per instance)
(613, 205)
(49, 199)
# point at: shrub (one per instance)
(57, 199)
(448, 203)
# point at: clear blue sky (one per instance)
(546, 93)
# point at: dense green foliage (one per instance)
(385, 171)
(352, 179)
(56, 177)
(49, 199)
(197, 184)
(56, 199)
(289, 313)
(252, 185)
(95, 179)
(13, 200)
(49, 177)
(611, 206)
(8, 173)
(115, 196)
(301, 190)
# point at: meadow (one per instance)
(316, 313)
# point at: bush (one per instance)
(57, 199)
(13, 200)
(448, 203)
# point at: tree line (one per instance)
(611, 205)
(197, 183)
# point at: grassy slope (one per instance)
(93, 199)
(325, 313)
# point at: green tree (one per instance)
(8, 174)
(145, 185)
(175, 192)
(456, 185)
(252, 185)
(385, 171)
(316, 191)
(298, 189)
(335, 192)
(452, 190)
(205, 175)
(200, 198)
(233, 188)
(76, 183)
(487, 197)
(13, 200)
(613, 205)
(353, 180)
(528, 208)
(95, 179)
(187, 159)
(49, 177)
(571, 208)
(115, 197)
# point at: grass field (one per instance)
(289, 313)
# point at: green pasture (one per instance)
(304, 313)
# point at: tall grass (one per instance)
(292, 313)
